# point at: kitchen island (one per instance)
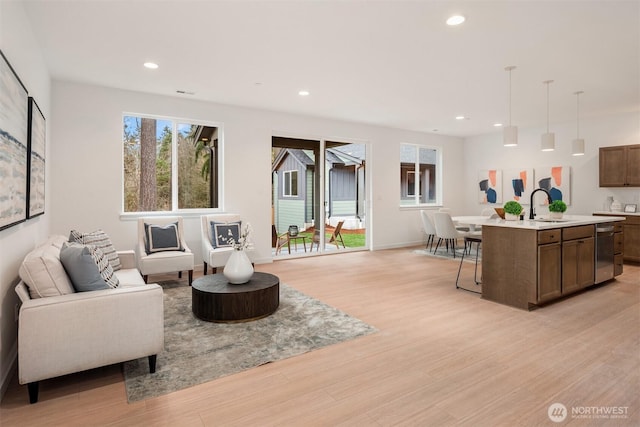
(528, 263)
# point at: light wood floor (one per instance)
(441, 357)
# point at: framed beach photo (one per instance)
(13, 146)
(629, 208)
(36, 148)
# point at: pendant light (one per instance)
(510, 133)
(548, 142)
(577, 145)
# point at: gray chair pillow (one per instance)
(160, 238)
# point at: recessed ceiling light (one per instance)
(151, 65)
(460, 117)
(303, 93)
(455, 20)
(497, 125)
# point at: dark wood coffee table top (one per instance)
(216, 300)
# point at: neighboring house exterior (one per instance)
(427, 180)
(294, 187)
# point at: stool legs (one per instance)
(475, 273)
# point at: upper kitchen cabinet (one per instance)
(620, 166)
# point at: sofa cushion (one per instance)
(43, 273)
(100, 239)
(87, 267)
(128, 277)
(161, 238)
(223, 232)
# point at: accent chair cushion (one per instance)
(43, 273)
(223, 232)
(161, 238)
(100, 239)
(87, 267)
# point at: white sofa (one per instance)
(75, 331)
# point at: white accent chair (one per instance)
(169, 261)
(428, 227)
(218, 256)
(446, 230)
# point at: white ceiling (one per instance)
(391, 63)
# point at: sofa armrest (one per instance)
(86, 330)
(127, 259)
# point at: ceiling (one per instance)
(389, 63)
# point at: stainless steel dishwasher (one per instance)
(604, 252)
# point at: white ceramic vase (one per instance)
(616, 206)
(238, 269)
(511, 217)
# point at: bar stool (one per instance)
(470, 240)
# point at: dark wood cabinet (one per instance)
(577, 264)
(620, 166)
(525, 268)
(549, 283)
(626, 240)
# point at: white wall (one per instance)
(87, 164)
(20, 48)
(487, 152)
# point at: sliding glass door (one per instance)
(318, 196)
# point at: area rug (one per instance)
(442, 252)
(196, 351)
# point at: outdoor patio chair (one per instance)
(280, 240)
(336, 236)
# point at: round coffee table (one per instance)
(214, 299)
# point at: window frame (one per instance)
(219, 167)
(408, 200)
(287, 180)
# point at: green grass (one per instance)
(350, 240)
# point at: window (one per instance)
(169, 165)
(290, 188)
(420, 169)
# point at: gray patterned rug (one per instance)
(196, 351)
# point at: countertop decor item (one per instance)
(512, 210)
(616, 206)
(556, 209)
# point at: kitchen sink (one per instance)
(551, 220)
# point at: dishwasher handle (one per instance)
(604, 229)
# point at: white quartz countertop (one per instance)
(540, 224)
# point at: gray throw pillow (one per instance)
(160, 238)
(87, 267)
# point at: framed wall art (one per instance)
(518, 185)
(13, 146)
(557, 181)
(490, 186)
(36, 161)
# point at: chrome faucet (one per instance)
(532, 214)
